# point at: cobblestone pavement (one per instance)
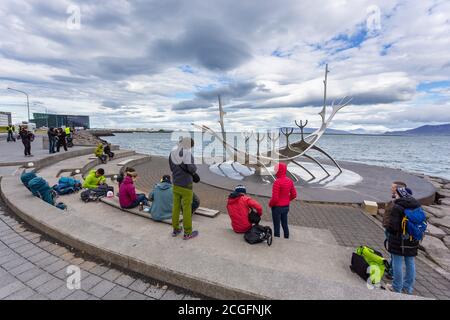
(33, 267)
(348, 224)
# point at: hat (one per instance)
(409, 191)
(110, 194)
(403, 193)
(240, 188)
(166, 178)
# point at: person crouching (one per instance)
(239, 207)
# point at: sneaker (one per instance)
(176, 232)
(389, 287)
(190, 236)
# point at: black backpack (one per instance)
(95, 194)
(253, 217)
(88, 195)
(259, 234)
(102, 190)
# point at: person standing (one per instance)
(181, 162)
(283, 192)
(26, 137)
(51, 140)
(11, 129)
(61, 140)
(401, 247)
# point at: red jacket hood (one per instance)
(282, 169)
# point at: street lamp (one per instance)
(28, 101)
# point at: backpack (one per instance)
(369, 263)
(40, 188)
(102, 190)
(67, 185)
(253, 217)
(414, 224)
(26, 177)
(88, 195)
(259, 234)
(95, 194)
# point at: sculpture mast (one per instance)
(222, 127)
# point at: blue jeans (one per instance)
(407, 282)
(140, 198)
(51, 145)
(280, 215)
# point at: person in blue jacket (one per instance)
(162, 200)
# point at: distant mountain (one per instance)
(443, 129)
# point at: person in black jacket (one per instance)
(51, 140)
(26, 137)
(400, 246)
(61, 140)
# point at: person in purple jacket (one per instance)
(127, 193)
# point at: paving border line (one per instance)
(194, 284)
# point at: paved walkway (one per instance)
(349, 225)
(13, 152)
(33, 267)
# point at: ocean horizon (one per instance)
(427, 155)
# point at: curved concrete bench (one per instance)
(114, 202)
(217, 264)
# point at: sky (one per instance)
(161, 64)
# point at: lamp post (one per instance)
(28, 101)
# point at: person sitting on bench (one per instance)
(99, 153)
(162, 200)
(127, 193)
(94, 179)
(107, 151)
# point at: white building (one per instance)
(5, 119)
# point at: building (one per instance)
(5, 119)
(60, 120)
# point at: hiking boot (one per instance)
(190, 236)
(176, 232)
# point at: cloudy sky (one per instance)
(161, 64)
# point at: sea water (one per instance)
(429, 155)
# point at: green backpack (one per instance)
(373, 265)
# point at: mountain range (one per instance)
(443, 129)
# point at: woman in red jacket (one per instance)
(238, 207)
(283, 192)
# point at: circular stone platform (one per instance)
(357, 183)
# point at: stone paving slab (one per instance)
(306, 267)
(141, 229)
(39, 281)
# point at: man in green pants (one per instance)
(183, 170)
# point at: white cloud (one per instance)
(130, 54)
